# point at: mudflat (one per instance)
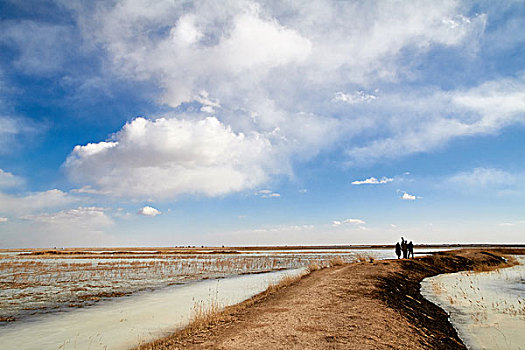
(365, 305)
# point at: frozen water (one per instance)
(487, 308)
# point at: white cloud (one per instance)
(87, 190)
(8, 180)
(82, 217)
(2, 219)
(9, 129)
(37, 45)
(373, 181)
(8, 126)
(483, 177)
(267, 194)
(284, 229)
(77, 227)
(355, 98)
(507, 224)
(149, 211)
(17, 132)
(408, 197)
(336, 223)
(230, 59)
(498, 102)
(164, 158)
(22, 204)
(426, 120)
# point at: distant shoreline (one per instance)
(230, 249)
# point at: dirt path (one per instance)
(357, 306)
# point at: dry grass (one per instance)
(364, 258)
(314, 266)
(437, 288)
(336, 261)
(205, 318)
(483, 267)
(203, 315)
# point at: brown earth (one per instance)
(366, 305)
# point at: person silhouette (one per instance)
(404, 247)
(410, 247)
(398, 250)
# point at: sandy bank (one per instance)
(357, 306)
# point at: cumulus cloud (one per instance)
(373, 181)
(219, 42)
(408, 197)
(336, 223)
(164, 158)
(149, 211)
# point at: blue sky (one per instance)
(156, 123)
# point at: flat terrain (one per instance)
(366, 305)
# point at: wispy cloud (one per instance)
(267, 194)
(284, 228)
(36, 201)
(354, 98)
(81, 219)
(8, 180)
(483, 177)
(336, 223)
(15, 129)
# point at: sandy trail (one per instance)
(357, 306)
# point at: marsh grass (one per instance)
(44, 282)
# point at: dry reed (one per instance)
(336, 261)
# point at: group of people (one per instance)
(405, 247)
